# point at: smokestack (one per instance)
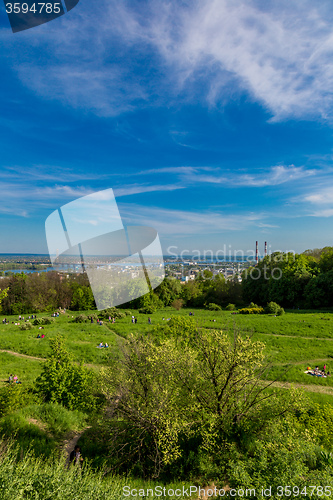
(265, 248)
(257, 253)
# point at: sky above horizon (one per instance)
(211, 120)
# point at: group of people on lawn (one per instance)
(315, 372)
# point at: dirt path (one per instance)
(69, 444)
(295, 336)
(310, 388)
(22, 355)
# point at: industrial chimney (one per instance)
(257, 258)
(265, 248)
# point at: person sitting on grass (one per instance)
(100, 345)
(106, 345)
(10, 380)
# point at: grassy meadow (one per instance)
(293, 341)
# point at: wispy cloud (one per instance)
(182, 222)
(137, 189)
(206, 49)
(320, 197)
(272, 176)
(318, 202)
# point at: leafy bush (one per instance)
(149, 309)
(12, 397)
(65, 382)
(274, 308)
(43, 321)
(81, 318)
(230, 307)
(26, 326)
(177, 304)
(251, 310)
(113, 312)
(213, 307)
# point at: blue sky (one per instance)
(211, 120)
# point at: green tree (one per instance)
(66, 382)
(166, 394)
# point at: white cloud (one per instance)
(137, 189)
(323, 196)
(272, 176)
(182, 222)
(280, 54)
(319, 202)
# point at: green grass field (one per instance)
(293, 341)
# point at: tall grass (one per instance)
(49, 479)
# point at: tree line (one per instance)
(291, 280)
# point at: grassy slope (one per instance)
(293, 341)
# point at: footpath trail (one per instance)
(323, 389)
(20, 355)
(69, 444)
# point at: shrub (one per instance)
(274, 308)
(65, 382)
(81, 318)
(43, 321)
(149, 309)
(26, 326)
(213, 307)
(113, 312)
(251, 310)
(230, 307)
(178, 304)
(12, 396)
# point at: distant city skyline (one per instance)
(212, 121)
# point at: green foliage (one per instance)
(162, 392)
(55, 419)
(39, 478)
(149, 303)
(12, 397)
(26, 326)
(251, 310)
(177, 304)
(213, 307)
(280, 278)
(3, 295)
(81, 318)
(113, 312)
(230, 307)
(65, 382)
(43, 321)
(83, 298)
(180, 327)
(274, 308)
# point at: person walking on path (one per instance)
(75, 457)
